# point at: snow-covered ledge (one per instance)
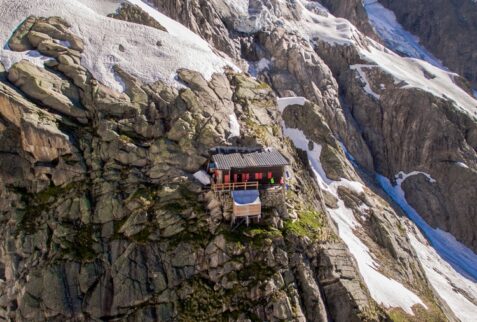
(283, 102)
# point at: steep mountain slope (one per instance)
(107, 111)
(451, 38)
(405, 70)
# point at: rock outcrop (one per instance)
(133, 13)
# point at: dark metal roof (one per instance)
(268, 158)
(234, 149)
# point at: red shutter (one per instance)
(235, 177)
(227, 178)
(270, 175)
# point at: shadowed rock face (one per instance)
(447, 28)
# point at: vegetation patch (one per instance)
(202, 304)
(81, 248)
(310, 223)
(40, 202)
(142, 236)
(252, 235)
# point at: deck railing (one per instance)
(235, 186)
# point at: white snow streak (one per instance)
(362, 75)
(462, 164)
(383, 289)
(450, 266)
(234, 126)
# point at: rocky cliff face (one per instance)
(106, 222)
(450, 38)
(103, 220)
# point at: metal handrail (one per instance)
(234, 186)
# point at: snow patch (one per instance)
(317, 23)
(64, 43)
(283, 102)
(402, 176)
(12, 57)
(238, 6)
(362, 75)
(103, 7)
(234, 126)
(462, 165)
(416, 73)
(256, 67)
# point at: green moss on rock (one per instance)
(310, 223)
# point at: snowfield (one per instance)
(143, 57)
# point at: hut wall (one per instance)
(277, 174)
(247, 210)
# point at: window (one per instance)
(227, 178)
(258, 176)
(270, 175)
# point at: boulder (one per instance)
(133, 13)
(19, 40)
(47, 88)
